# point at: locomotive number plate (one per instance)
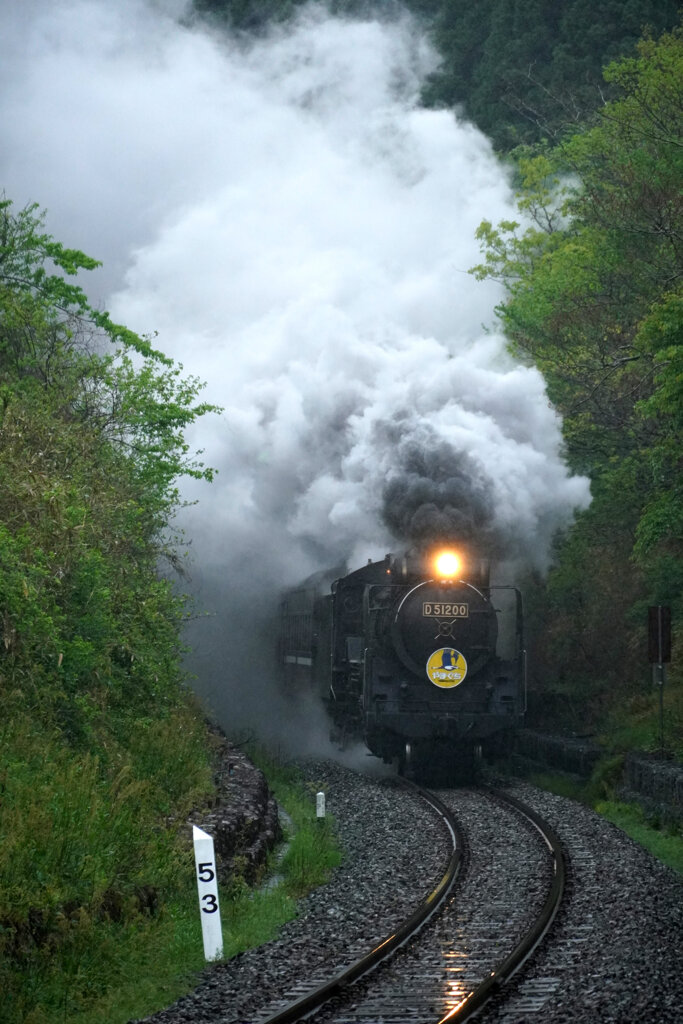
(445, 611)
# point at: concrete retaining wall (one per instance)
(654, 784)
(564, 753)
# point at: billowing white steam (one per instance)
(298, 231)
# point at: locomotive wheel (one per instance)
(441, 764)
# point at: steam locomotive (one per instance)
(417, 655)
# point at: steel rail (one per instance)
(313, 1000)
(532, 938)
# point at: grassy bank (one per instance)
(80, 946)
(91, 879)
(313, 851)
(663, 841)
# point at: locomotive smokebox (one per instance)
(433, 615)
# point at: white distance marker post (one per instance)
(320, 805)
(207, 884)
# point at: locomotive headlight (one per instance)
(448, 565)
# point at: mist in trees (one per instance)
(522, 70)
(593, 272)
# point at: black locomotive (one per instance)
(417, 655)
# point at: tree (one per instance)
(593, 270)
(99, 739)
(526, 71)
(92, 446)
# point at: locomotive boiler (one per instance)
(417, 655)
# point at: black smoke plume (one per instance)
(437, 493)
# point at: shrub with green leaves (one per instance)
(102, 751)
(594, 277)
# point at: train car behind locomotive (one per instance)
(418, 656)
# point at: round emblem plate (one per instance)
(446, 668)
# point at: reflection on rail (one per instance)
(455, 991)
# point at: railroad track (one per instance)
(447, 972)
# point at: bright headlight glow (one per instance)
(448, 565)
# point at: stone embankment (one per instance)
(244, 817)
(563, 753)
(655, 784)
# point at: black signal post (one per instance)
(659, 653)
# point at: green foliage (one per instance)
(594, 298)
(667, 846)
(312, 854)
(525, 71)
(659, 535)
(102, 751)
(26, 257)
(91, 448)
(635, 723)
(565, 785)
(521, 69)
(101, 747)
(250, 917)
(87, 875)
(256, 16)
(313, 851)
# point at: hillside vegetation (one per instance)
(593, 274)
(521, 69)
(100, 745)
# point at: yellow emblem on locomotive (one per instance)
(446, 667)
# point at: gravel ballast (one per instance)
(381, 880)
(497, 900)
(616, 952)
(613, 955)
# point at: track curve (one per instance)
(532, 938)
(339, 987)
(320, 995)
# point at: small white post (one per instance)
(207, 884)
(320, 805)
